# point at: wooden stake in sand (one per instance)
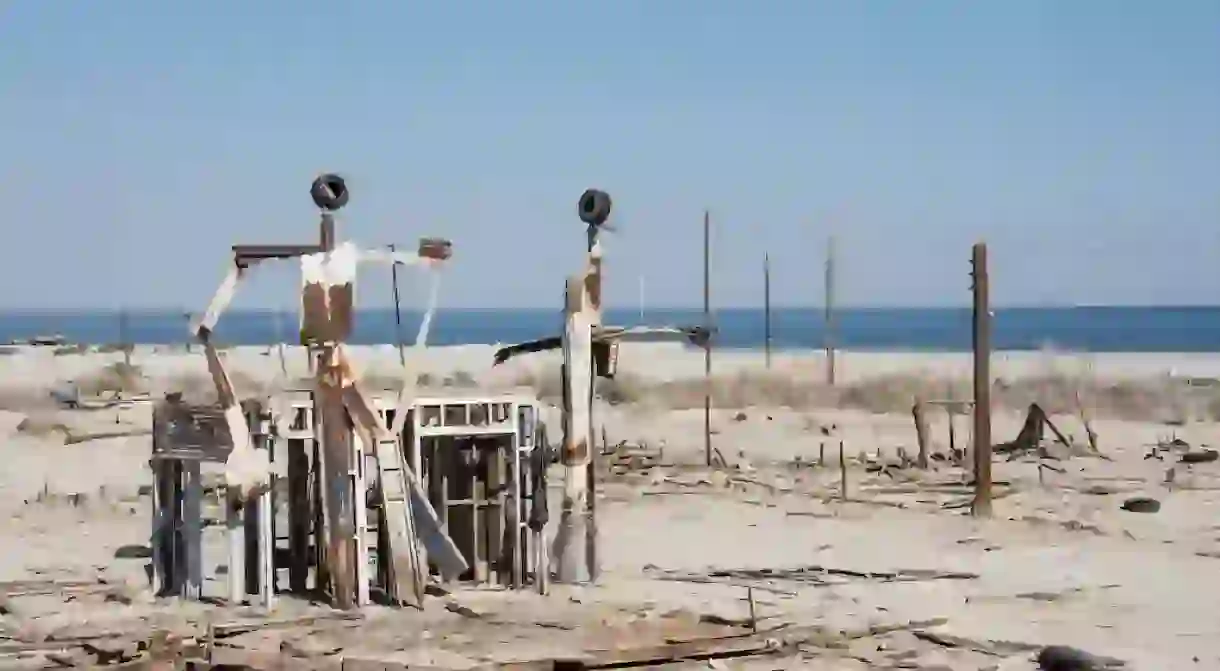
(981, 506)
(921, 433)
(842, 473)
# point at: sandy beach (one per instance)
(1060, 562)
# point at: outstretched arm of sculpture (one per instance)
(696, 335)
(246, 469)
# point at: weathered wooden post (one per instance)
(921, 433)
(981, 506)
(707, 346)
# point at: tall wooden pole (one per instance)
(336, 460)
(981, 506)
(767, 309)
(707, 347)
(828, 335)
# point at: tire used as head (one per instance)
(594, 207)
(329, 192)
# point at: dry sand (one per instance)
(1059, 562)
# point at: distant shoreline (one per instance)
(943, 329)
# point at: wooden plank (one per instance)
(299, 516)
(336, 463)
(192, 531)
(570, 538)
(235, 516)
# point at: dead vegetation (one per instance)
(1162, 399)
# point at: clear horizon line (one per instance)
(632, 308)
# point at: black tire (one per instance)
(594, 207)
(1064, 658)
(329, 192)
(1199, 456)
(1141, 504)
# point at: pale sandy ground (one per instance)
(1058, 563)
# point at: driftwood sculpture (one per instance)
(1029, 438)
(589, 350)
(328, 272)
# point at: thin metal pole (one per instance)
(641, 299)
(278, 324)
(402, 356)
(828, 335)
(123, 337)
(767, 308)
(707, 347)
(981, 506)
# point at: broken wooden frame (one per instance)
(480, 501)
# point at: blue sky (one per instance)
(140, 138)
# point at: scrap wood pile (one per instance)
(625, 461)
(496, 631)
(810, 575)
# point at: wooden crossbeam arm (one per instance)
(245, 256)
(696, 335)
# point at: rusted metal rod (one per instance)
(402, 355)
(767, 309)
(981, 506)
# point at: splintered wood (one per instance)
(582, 314)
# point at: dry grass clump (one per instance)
(118, 377)
(41, 426)
(1163, 399)
(199, 388)
(379, 381)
